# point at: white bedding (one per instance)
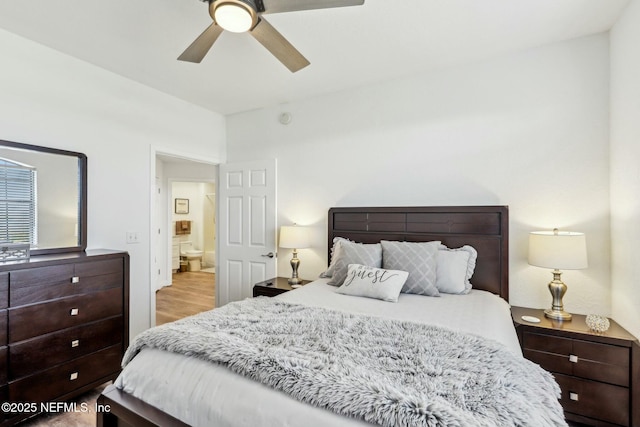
(202, 394)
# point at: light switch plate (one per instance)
(133, 237)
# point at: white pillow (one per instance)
(455, 268)
(371, 282)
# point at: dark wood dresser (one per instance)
(597, 372)
(64, 326)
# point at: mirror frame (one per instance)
(82, 209)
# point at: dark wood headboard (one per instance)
(486, 228)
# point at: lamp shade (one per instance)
(560, 250)
(294, 237)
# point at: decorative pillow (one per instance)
(373, 282)
(335, 254)
(454, 269)
(419, 259)
(354, 253)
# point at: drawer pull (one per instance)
(75, 279)
(73, 376)
(573, 396)
(573, 358)
(75, 343)
(74, 312)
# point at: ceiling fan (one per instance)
(241, 16)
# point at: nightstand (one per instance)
(598, 373)
(273, 287)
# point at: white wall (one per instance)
(625, 161)
(528, 130)
(50, 99)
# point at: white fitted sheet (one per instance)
(204, 394)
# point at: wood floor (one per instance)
(190, 293)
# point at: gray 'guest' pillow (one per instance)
(354, 253)
(419, 259)
(370, 282)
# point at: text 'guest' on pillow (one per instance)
(371, 282)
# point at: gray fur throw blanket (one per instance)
(386, 372)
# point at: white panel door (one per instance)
(246, 228)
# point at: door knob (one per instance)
(269, 255)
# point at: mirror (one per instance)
(43, 198)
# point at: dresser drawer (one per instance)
(55, 382)
(3, 327)
(38, 319)
(590, 360)
(602, 362)
(596, 400)
(548, 343)
(3, 365)
(106, 267)
(45, 283)
(4, 290)
(43, 352)
(38, 284)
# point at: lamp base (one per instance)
(294, 281)
(557, 289)
(560, 315)
(295, 263)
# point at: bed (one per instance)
(159, 387)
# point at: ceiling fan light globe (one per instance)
(233, 17)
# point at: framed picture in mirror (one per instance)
(182, 206)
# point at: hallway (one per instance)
(190, 293)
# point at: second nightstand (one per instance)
(273, 287)
(594, 371)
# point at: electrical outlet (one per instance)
(133, 237)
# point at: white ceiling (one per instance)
(347, 47)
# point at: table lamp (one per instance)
(557, 250)
(294, 237)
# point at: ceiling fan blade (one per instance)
(278, 6)
(275, 43)
(200, 46)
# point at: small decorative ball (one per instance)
(597, 323)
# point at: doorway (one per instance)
(185, 221)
